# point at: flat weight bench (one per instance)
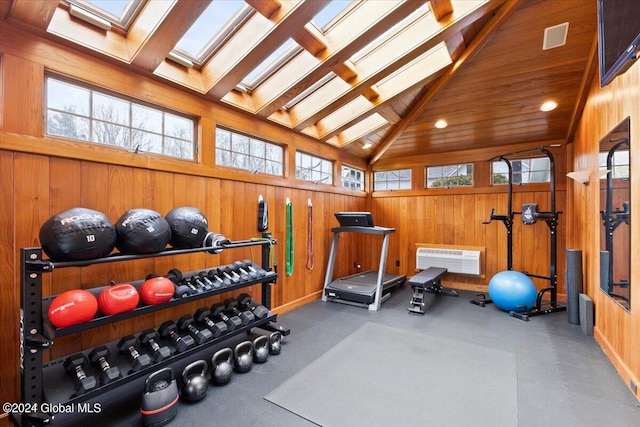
(428, 280)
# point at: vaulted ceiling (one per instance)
(369, 77)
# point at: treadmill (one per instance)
(369, 288)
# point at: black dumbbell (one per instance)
(99, 357)
(218, 313)
(181, 343)
(245, 316)
(138, 361)
(185, 323)
(202, 276)
(149, 337)
(259, 272)
(240, 271)
(75, 364)
(245, 302)
(227, 273)
(218, 282)
(217, 328)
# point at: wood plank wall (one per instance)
(40, 176)
(617, 330)
(456, 219)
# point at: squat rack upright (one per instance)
(530, 215)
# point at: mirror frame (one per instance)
(615, 219)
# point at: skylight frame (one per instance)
(122, 23)
(219, 39)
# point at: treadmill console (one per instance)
(355, 219)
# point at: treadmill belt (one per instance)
(361, 287)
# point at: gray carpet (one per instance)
(381, 376)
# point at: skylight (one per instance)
(114, 7)
(272, 62)
(118, 12)
(325, 18)
(214, 25)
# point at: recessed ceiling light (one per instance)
(367, 145)
(548, 106)
(441, 124)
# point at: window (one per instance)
(314, 169)
(352, 178)
(619, 164)
(525, 171)
(83, 114)
(392, 180)
(244, 152)
(450, 176)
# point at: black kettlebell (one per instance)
(160, 398)
(194, 381)
(222, 366)
(243, 356)
(261, 349)
(274, 342)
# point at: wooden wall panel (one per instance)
(616, 330)
(456, 219)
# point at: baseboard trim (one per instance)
(623, 370)
(290, 306)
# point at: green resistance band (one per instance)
(289, 238)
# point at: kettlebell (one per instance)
(261, 349)
(243, 356)
(194, 381)
(160, 398)
(274, 342)
(222, 366)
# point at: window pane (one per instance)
(178, 127)
(68, 126)
(223, 139)
(274, 152)
(110, 134)
(110, 109)
(65, 97)
(223, 157)
(256, 148)
(179, 148)
(239, 161)
(146, 118)
(146, 142)
(240, 143)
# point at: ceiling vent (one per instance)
(555, 36)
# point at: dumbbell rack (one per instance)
(37, 333)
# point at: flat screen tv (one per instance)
(618, 37)
(354, 219)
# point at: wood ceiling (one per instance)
(489, 91)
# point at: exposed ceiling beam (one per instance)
(479, 41)
(253, 43)
(157, 29)
(35, 13)
(583, 92)
(417, 73)
(420, 36)
(373, 17)
(440, 8)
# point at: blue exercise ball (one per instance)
(512, 291)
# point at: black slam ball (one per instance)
(142, 231)
(188, 226)
(77, 234)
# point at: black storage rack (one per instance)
(37, 333)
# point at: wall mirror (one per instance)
(615, 229)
